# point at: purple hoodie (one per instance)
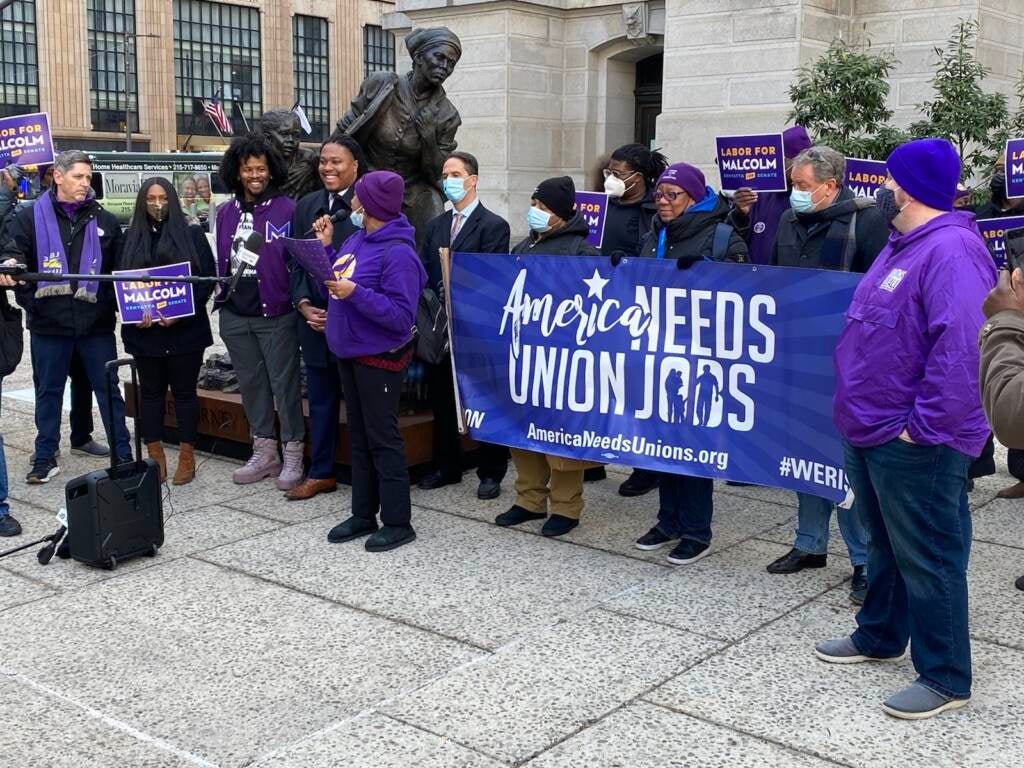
(379, 314)
(908, 356)
(764, 223)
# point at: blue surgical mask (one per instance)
(538, 220)
(356, 217)
(801, 201)
(454, 189)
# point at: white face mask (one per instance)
(614, 186)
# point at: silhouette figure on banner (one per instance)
(709, 390)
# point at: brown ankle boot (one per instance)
(186, 471)
(155, 451)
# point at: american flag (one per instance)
(215, 111)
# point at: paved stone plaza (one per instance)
(252, 641)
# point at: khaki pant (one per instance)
(541, 477)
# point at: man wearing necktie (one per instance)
(340, 164)
(470, 228)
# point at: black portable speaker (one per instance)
(116, 513)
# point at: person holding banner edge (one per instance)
(629, 179)
(471, 228)
(827, 227)
(67, 231)
(545, 481)
(690, 227)
(341, 163)
(168, 352)
(908, 408)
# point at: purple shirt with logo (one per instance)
(908, 355)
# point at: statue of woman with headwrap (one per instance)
(406, 124)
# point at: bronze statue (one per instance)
(406, 124)
(282, 127)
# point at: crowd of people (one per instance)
(908, 401)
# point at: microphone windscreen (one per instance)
(254, 242)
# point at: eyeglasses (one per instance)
(621, 175)
(667, 195)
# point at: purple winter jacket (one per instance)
(908, 355)
(379, 314)
(272, 218)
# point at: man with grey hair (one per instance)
(826, 227)
(67, 232)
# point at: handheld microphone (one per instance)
(335, 218)
(247, 254)
(45, 555)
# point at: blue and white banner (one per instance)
(722, 370)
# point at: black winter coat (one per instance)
(691, 236)
(570, 240)
(804, 239)
(66, 315)
(189, 334)
(626, 227)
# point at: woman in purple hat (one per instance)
(370, 320)
(690, 226)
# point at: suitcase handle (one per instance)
(112, 366)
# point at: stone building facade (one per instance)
(547, 87)
(64, 79)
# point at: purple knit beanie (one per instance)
(687, 177)
(794, 141)
(381, 194)
(928, 170)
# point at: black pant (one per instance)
(985, 464)
(493, 459)
(81, 400)
(380, 477)
(155, 375)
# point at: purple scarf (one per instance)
(53, 260)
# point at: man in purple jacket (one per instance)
(908, 406)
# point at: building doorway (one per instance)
(649, 74)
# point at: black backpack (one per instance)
(431, 329)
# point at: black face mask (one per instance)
(998, 187)
(885, 201)
(157, 212)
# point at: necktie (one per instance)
(456, 226)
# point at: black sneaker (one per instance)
(390, 537)
(351, 529)
(595, 474)
(640, 482)
(42, 470)
(515, 515)
(489, 489)
(558, 525)
(9, 526)
(653, 539)
(687, 551)
(796, 560)
(91, 448)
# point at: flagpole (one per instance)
(242, 115)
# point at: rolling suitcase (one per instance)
(116, 513)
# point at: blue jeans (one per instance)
(324, 385)
(685, 507)
(813, 514)
(913, 502)
(52, 359)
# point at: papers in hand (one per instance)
(311, 256)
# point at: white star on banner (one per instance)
(596, 285)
